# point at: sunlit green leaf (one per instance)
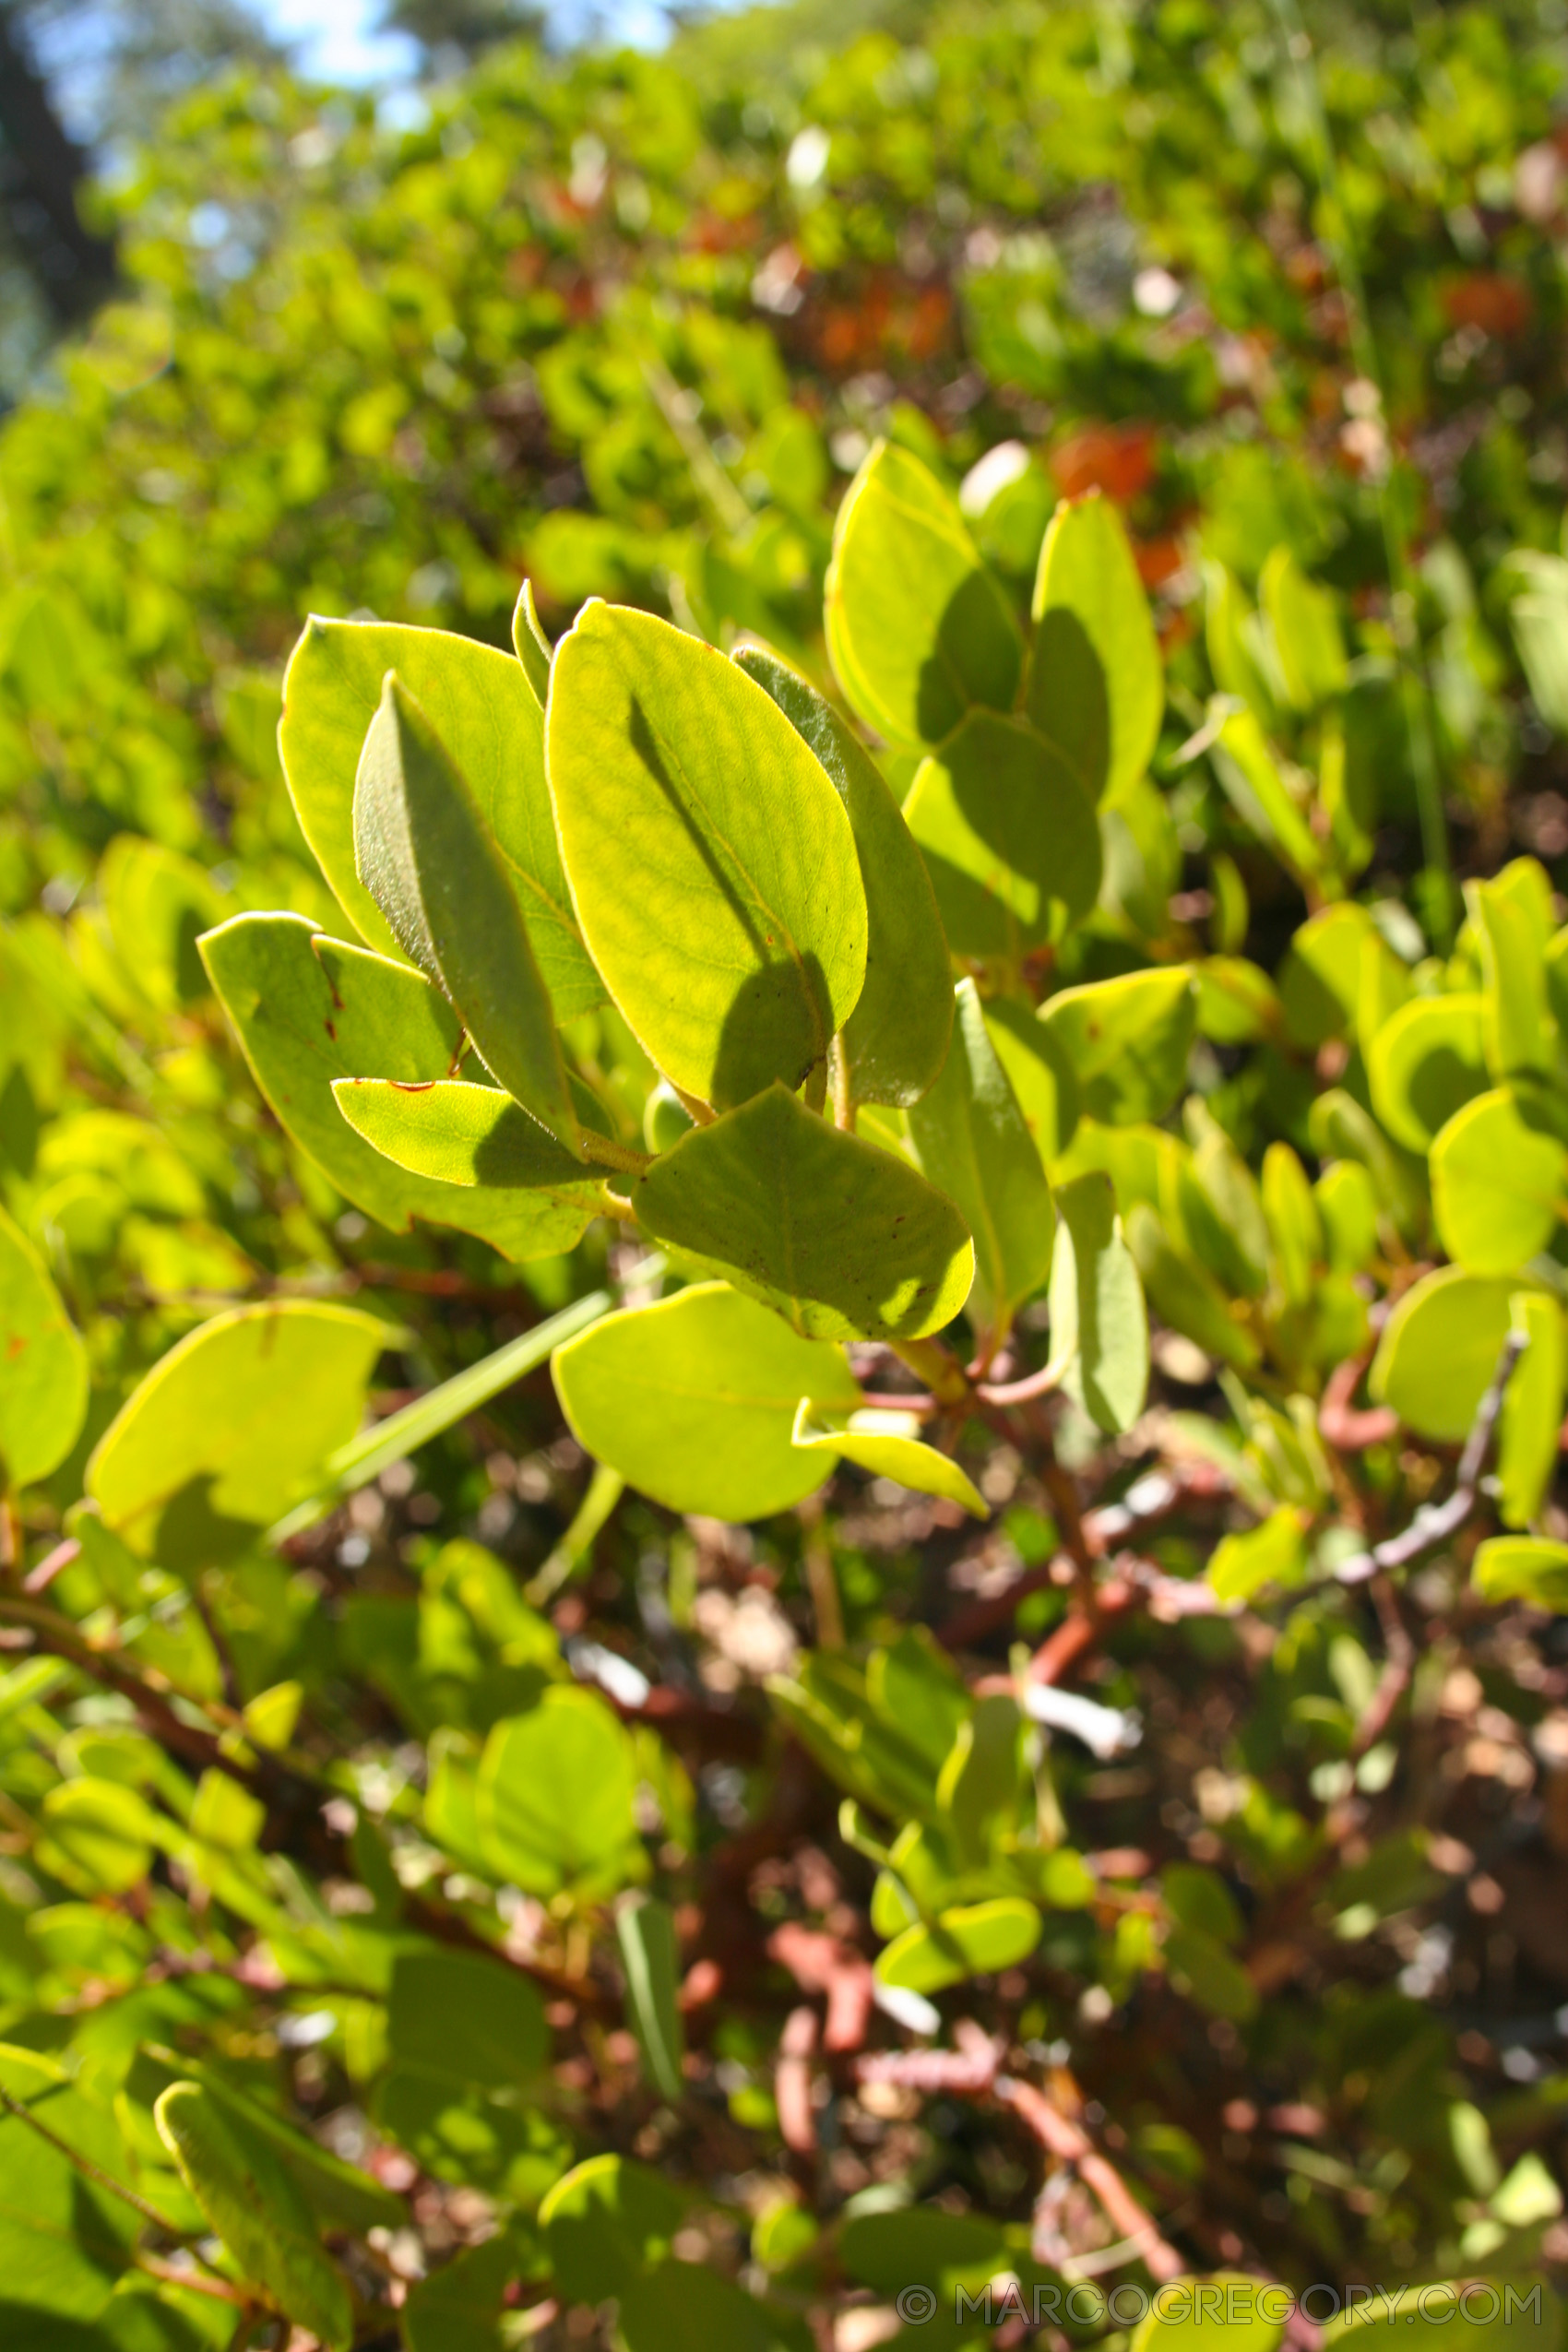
(1008, 835)
(1096, 686)
(43, 1371)
(711, 860)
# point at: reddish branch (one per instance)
(972, 2070)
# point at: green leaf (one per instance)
(456, 1133)
(1185, 1294)
(1253, 783)
(711, 860)
(44, 1372)
(458, 2307)
(1098, 1322)
(309, 1011)
(63, 2239)
(553, 1798)
(918, 631)
(242, 2188)
(1439, 1351)
(1096, 686)
(1426, 1062)
(1188, 2314)
(681, 2304)
(977, 1786)
(896, 1040)
(1127, 1041)
(694, 1401)
(1202, 1969)
(1306, 632)
(971, 1139)
(650, 1959)
(969, 1939)
(338, 2194)
(1513, 920)
(431, 864)
(1042, 1078)
(231, 1425)
(1532, 1409)
(605, 2222)
(1238, 1004)
(882, 1444)
(466, 2019)
(531, 645)
(1009, 838)
(1498, 1180)
(1274, 1554)
(1521, 2312)
(1526, 1568)
(100, 1836)
(484, 708)
(844, 1241)
(1346, 1201)
(1295, 1228)
(1320, 978)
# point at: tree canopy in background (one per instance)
(1000, 1708)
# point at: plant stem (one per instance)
(605, 1154)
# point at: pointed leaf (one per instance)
(1099, 1321)
(1009, 838)
(231, 1426)
(1042, 1075)
(429, 862)
(43, 1372)
(1097, 685)
(896, 1040)
(242, 2186)
(844, 1241)
(484, 708)
(309, 1010)
(694, 1401)
(971, 1139)
(1511, 914)
(650, 1958)
(881, 1442)
(918, 631)
(531, 645)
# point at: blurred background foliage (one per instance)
(626, 324)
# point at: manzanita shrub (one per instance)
(897, 1141)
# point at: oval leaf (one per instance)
(1097, 685)
(553, 1798)
(1098, 1322)
(232, 1425)
(973, 1140)
(1439, 1351)
(917, 629)
(969, 1939)
(844, 1241)
(431, 864)
(456, 1133)
(485, 711)
(711, 861)
(1426, 1061)
(308, 1011)
(248, 2197)
(1009, 838)
(1127, 1041)
(1497, 1184)
(694, 1401)
(896, 1040)
(43, 1373)
(881, 1442)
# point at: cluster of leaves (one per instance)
(495, 1852)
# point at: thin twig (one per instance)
(1435, 1522)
